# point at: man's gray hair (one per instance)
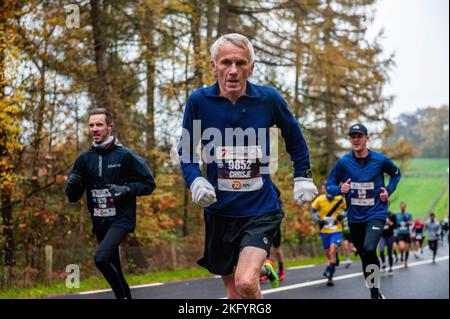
(236, 39)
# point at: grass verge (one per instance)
(96, 283)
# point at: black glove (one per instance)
(118, 191)
(74, 179)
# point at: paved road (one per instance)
(421, 280)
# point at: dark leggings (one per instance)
(107, 260)
(366, 239)
(433, 244)
(389, 242)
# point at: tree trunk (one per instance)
(77, 129)
(195, 31)
(103, 92)
(52, 120)
(210, 21)
(330, 138)
(39, 120)
(2, 49)
(224, 12)
(147, 38)
(185, 211)
(298, 62)
(8, 233)
(329, 113)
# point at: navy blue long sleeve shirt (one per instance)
(367, 178)
(260, 108)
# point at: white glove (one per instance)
(304, 190)
(203, 193)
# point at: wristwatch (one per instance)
(306, 174)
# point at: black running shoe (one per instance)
(376, 294)
(380, 296)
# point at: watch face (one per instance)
(308, 173)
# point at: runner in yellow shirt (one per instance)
(328, 211)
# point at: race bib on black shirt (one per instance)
(103, 203)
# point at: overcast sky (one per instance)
(417, 31)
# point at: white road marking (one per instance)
(322, 281)
(147, 285)
(132, 287)
(93, 292)
(302, 267)
(290, 287)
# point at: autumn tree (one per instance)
(426, 129)
(344, 77)
(10, 146)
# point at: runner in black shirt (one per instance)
(387, 240)
(111, 176)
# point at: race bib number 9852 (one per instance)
(238, 168)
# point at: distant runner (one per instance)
(418, 236)
(433, 228)
(404, 223)
(387, 240)
(328, 212)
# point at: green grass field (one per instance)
(442, 207)
(422, 182)
(428, 165)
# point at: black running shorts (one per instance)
(433, 244)
(225, 237)
(405, 238)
